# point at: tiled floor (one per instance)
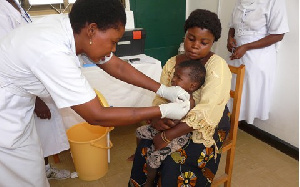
(256, 164)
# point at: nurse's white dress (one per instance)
(37, 59)
(253, 20)
(51, 132)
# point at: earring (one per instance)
(91, 42)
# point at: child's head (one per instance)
(202, 29)
(189, 75)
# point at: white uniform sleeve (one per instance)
(230, 24)
(60, 74)
(278, 22)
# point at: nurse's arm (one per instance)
(264, 42)
(95, 114)
(127, 73)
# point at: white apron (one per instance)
(38, 58)
(52, 131)
(253, 20)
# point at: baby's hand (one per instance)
(231, 44)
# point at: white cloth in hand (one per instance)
(174, 110)
(173, 93)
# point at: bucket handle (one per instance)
(103, 147)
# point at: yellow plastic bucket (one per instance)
(89, 148)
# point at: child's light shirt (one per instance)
(214, 94)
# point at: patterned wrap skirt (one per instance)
(192, 165)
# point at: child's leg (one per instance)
(146, 132)
(143, 132)
(151, 174)
(155, 158)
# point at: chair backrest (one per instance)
(230, 142)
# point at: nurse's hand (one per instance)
(239, 52)
(231, 44)
(175, 110)
(41, 109)
(173, 93)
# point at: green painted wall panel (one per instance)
(163, 21)
(162, 53)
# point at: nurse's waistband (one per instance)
(240, 32)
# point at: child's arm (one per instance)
(158, 141)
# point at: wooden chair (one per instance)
(230, 142)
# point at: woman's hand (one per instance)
(158, 142)
(162, 124)
(239, 52)
(41, 109)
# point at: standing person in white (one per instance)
(39, 59)
(255, 27)
(49, 124)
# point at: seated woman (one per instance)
(189, 75)
(197, 161)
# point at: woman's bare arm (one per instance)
(172, 133)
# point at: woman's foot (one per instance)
(131, 158)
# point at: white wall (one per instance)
(284, 115)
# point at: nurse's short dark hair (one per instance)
(105, 13)
(204, 19)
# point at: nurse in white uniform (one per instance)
(256, 26)
(39, 59)
(49, 124)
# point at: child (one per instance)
(190, 75)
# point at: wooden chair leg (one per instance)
(56, 158)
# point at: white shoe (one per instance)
(59, 174)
